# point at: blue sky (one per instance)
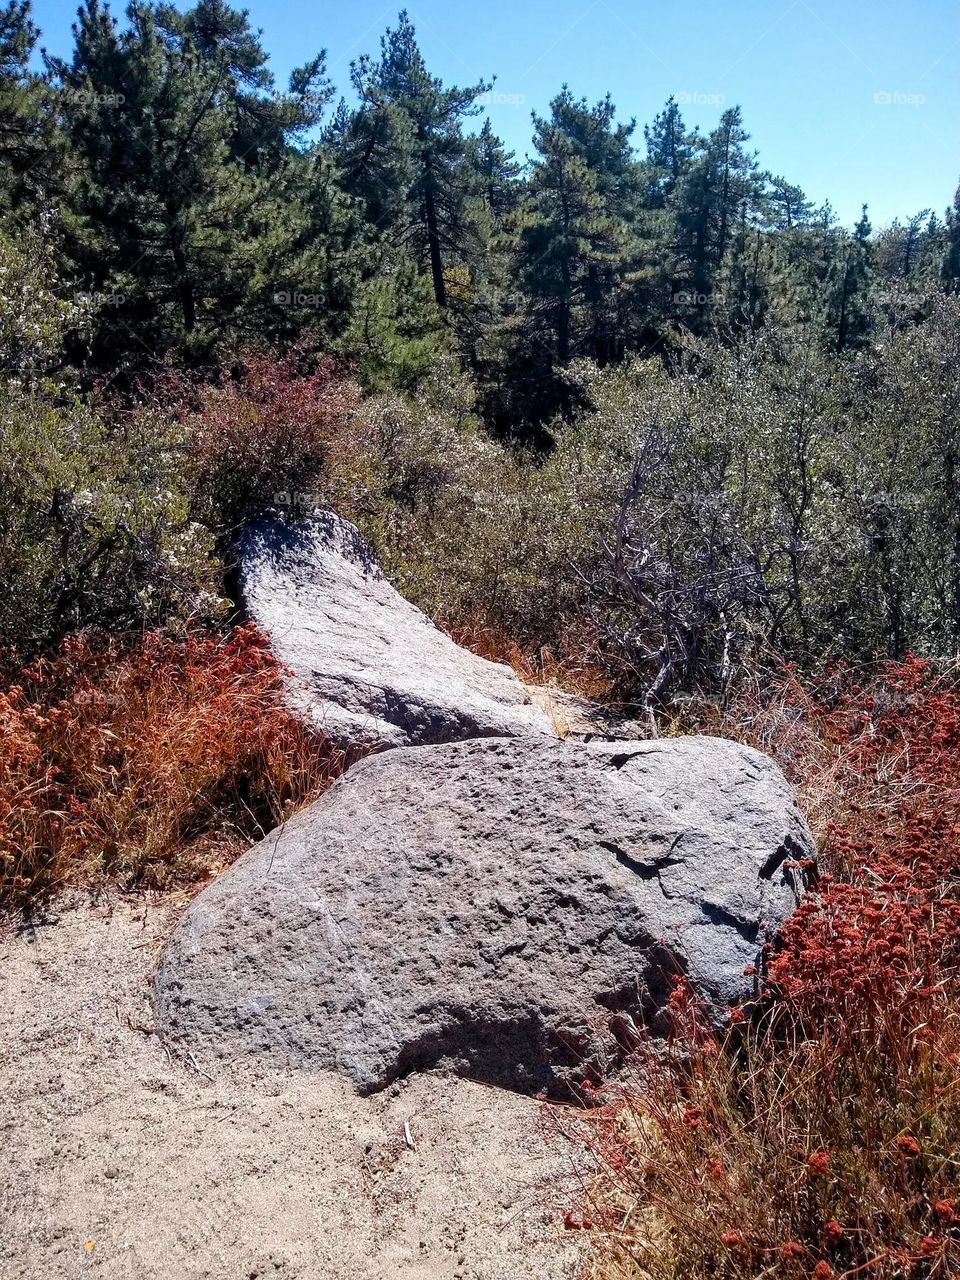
(855, 100)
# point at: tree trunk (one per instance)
(188, 307)
(563, 316)
(433, 240)
(842, 319)
(724, 199)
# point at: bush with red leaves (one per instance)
(151, 762)
(267, 434)
(821, 1136)
(883, 932)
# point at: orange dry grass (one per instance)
(577, 669)
(821, 1137)
(152, 762)
(783, 1154)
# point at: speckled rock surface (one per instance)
(496, 907)
(366, 665)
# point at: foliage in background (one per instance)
(756, 501)
(203, 211)
(194, 212)
(785, 500)
(34, 319)
(96, 525)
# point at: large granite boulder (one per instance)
(367, 667)
(501, 907)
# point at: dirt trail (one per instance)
(117, 1162)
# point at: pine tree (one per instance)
(764, 272)
(403, 153)
(950, 270)
(496, 171)
(786, 205)
(720, 187)
(191, 204)
(578, 247)
(489, 300)
(670, 151)
(741, 300)
(265, 123)
(850, 299)
(29, 152)
(901, 249)
(397, 333)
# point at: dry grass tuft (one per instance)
(577, 669)
(150, 762)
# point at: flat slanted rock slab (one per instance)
(366, 665)
(497, 907)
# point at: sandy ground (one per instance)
(117, 1162)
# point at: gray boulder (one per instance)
(366, 665)
(502, 908)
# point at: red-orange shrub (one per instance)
(153, 761)
(885, 929)
(821, 1136)
(267, 434)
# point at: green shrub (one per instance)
(35, 319)
(96, 526)
(780, 502)
(481, 535)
